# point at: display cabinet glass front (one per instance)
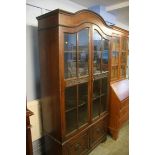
(105, 56)
(115, 53)
(123, 58)
(100, 67)
(83, 50)
(70, 56)
(98, 47)
(76, 106)
(76, 68)
(82, 104)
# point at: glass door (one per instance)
(115, 58)
(76, 74)
(123, 57)
(100, 76)
(70, 55)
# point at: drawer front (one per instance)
(79, 145)
(124, 103)
(98, 131)
(124, 111)
(124, 119)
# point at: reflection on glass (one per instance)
(103, 103)
(71, 121)
(70, 98)
(82, 115)
(115, 44)
(71, 108)
(70, 58)
(123, 57)
(114, 72)
(123, 74)
(115, 57)
(83, 48)
(83, 93)
(104, 85)
(96, 88)
(105, 54)
(98, 47)
(96, 106)
(82, 105)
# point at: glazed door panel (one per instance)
(100, 76)
(71, 108)
(70, 56)
(123, 58)
(76, 74)
(83, 52)
(115, 57)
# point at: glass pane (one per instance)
(104, 85)
(83, 104)
(83, 50)
(116, 44)
(71, 121)
(82, 115)
(96, 88)
(123, 57)
(103, 103)
(96, 106)
(105, 54)
(70, 98)
(123, 71)
(115, 58)
(98, 47)
(70, 57)
(114, 72)
(71, 108)
(83, 94)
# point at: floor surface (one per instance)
(112, 147)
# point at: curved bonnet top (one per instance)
(67, 19)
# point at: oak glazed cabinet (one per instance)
(119, 55)
(74, 58)
(119, 83)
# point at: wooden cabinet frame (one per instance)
(51, 29)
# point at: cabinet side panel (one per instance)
(49, 64)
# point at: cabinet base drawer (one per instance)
(124, 119)
(124, 111)
(124, 103)
(79, 145)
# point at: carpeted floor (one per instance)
(112, 147)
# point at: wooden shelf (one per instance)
(97, 97)
(70, 109)
(81, 105)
